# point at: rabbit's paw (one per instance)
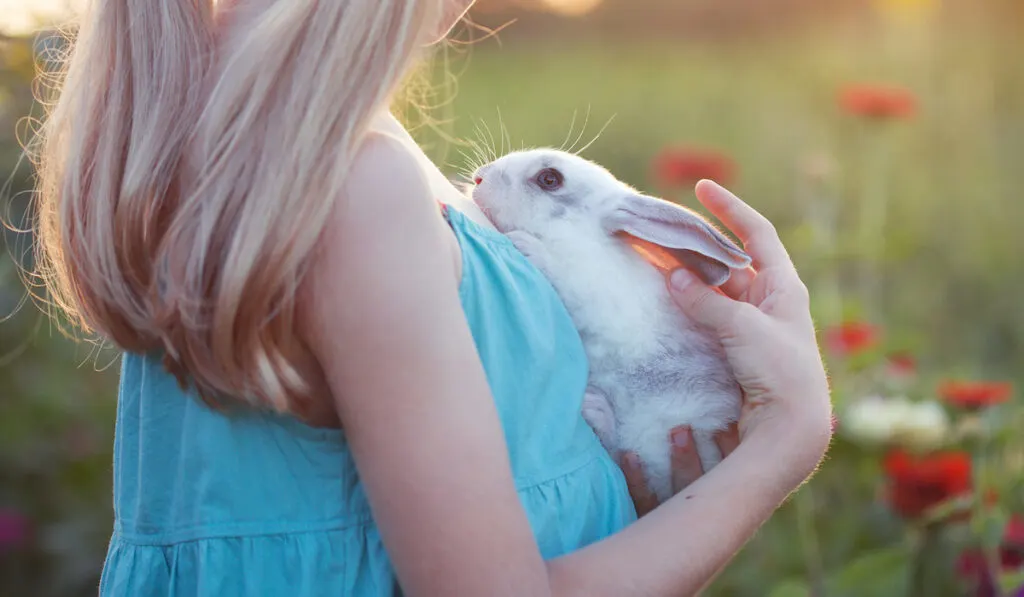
(598, 413)
(530, 246)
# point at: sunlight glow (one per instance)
(571, 7)
(24, 16)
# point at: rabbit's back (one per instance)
(656, 368)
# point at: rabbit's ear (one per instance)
(691, 239)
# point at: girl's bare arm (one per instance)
(381, 312)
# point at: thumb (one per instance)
(701, 302)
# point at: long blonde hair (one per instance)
(181, 191)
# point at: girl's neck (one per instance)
(444, 190)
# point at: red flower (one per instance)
(852, 337)
(1012, 552)
(975, 394)
(681, 166)
(972, 565)
(902, 365)
(1015, 532)
(878, 102)
(14, 529)
(990, 497)
(917, 484)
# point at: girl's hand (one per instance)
(762, 317)
(686, 466)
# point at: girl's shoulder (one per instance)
(383, 231)
(387, 209)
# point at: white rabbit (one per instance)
(651, 369)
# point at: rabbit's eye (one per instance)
(549, 179)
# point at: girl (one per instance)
(332, 387)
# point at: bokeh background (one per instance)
(884, 138)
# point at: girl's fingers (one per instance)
(643, 498)
(728, 440)
(758, 235)
(686, 467)
(738, 283)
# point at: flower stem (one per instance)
(829, 291)
(809, 541)
(873, 208)
(918, 569)
(993, 563)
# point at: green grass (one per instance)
(953, 252)
(952, 262)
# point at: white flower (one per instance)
(870, 420)
(877, 420)
(925, 425)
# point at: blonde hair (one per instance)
(181, 192)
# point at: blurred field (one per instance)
(952, 264)
(947, 180)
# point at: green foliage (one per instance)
(947, 263)
(949, 267)
(875, 574)
(58, 413)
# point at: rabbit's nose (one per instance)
(478, 176)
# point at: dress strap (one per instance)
(446, 213)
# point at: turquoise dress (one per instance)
(260, 504)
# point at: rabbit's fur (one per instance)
(651, 369)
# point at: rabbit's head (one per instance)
(552, 193)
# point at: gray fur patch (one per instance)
(679, 372)
(567, 199)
